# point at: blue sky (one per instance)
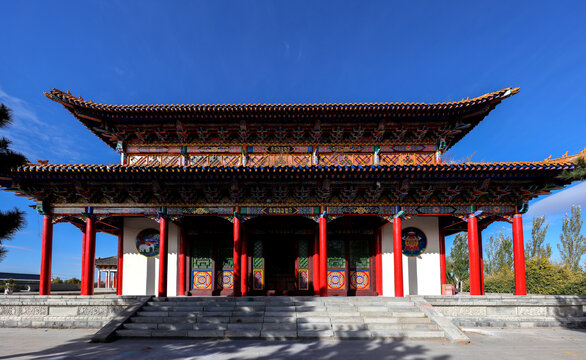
(132, 52)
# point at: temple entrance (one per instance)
(351, 255)
(280, 255)
(210, 255)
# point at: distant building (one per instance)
(109, 267)
(24, 281)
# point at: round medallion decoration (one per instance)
(414, 241)
(147, 242)
(336, 280)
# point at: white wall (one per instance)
(421, 274)
(141, 273)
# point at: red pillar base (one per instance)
(474, 256)
(120, 261)
(244, 266)
(46, 254)
(163, 256)
(398, 256)
(519, 256)
(181, 280)
(323, 257)
(90, 255)
(236, 257)
(316, 288)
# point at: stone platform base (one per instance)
(62, 311)
(503, 310)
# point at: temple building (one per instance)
(107, 266)
(260, 199)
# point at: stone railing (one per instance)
(512, 311)
(62, 311)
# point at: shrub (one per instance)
(501, 282)
(543, 277)
(576, 285)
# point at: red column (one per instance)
(236, 256)
(519, 255)
(481, 261)
(398, 256)
(474, 256)
(107, 280)
(46, 254)
(379, 262)
(323, 257)
(90, 255)
(83, 265)
(119, 269)
(181, 280)
(442, 251)
(163, 256)
(99, 279)
(244, 265)
(316, 264)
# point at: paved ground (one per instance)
(487, 343)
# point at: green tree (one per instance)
(572, 244)
(535, 248)
(578, 173)
(13, 220)
(499, 254)
(458, 260)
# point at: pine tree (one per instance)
(572, 244)
(13, 220)
(499, 254)
(535, 247)
(458, 261)
(578, 173)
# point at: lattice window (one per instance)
(202, 255)
(303, 254)
(257, 256)
(226, 257)
(359, 254)
(336, 254)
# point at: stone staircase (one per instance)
(281, 318)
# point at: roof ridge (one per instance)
(66, 96)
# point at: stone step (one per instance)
(280, 318)
(277, 307)
(268, 326)
(407, 334)
(395, 320)
(268, 301)
(396, 326)
(283, 334)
